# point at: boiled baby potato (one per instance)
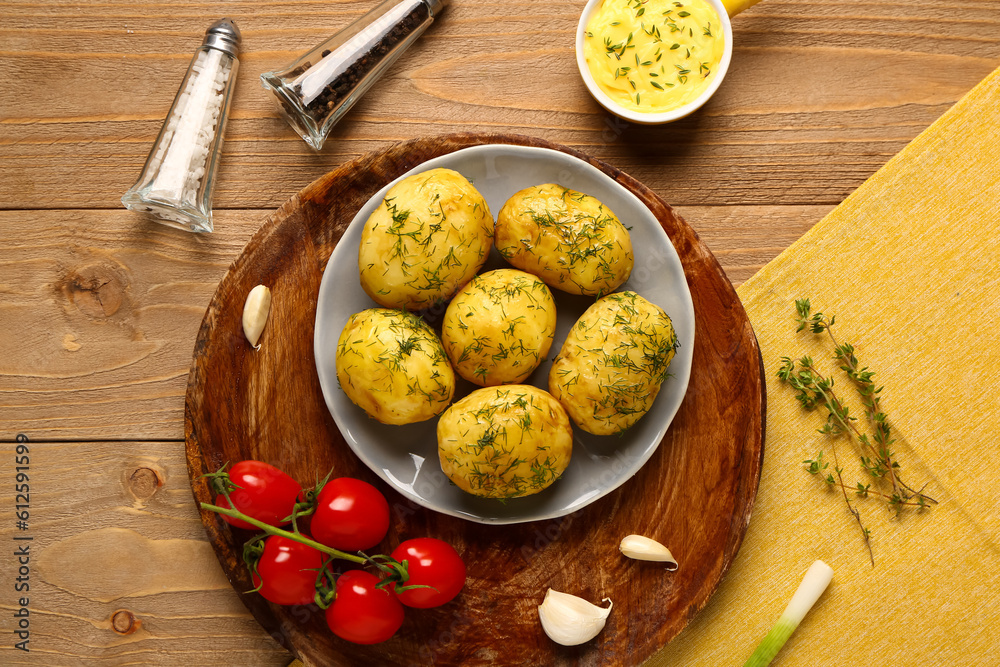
(427, 238)
(505, 442)
(570, 240)
(613, 362)
(499, 327)
(391, 364)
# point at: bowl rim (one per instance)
(664, 116)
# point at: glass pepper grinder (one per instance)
(177, 182)
(316, 90)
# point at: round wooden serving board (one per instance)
(695, 494)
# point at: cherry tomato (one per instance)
(265, 493)
(351, 515)
(430, 562)
(287, 570)
(362, 613)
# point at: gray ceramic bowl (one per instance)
(406, 456)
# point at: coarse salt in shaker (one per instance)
(176, 183)
(317, 89)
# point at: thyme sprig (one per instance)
(814, 389)
(817, 466)
(881, 462)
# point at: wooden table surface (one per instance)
(99, 308)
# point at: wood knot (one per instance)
(143, 482)
(124, 622)
(97, 290)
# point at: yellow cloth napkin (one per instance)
(910, 266)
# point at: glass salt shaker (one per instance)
(177, 181)
(316, 90)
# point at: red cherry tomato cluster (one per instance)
(344, 515)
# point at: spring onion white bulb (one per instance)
(813, 584)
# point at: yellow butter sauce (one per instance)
(653, 56)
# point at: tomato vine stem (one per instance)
(298, 537)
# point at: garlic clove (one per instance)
(255, 312)
(570, 620)
(644, 548)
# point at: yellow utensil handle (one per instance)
(734, 7)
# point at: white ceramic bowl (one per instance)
(652, 118)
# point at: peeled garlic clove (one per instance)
(569, 620)
(255, 311)
(643, 548)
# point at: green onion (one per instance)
(813, 584)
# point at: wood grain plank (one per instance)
(101, 308)
(115, 528)
(819, 96)
(99, 311)
(745, 238)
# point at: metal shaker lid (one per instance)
(436, 6)
(224, 36)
